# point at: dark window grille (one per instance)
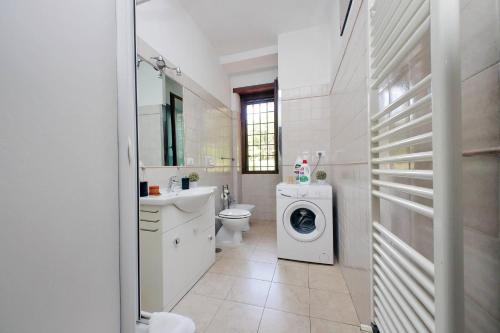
(259, 132)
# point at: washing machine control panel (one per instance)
(286, 192)
(312, 191)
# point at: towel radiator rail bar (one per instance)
(416, 138)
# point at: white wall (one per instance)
(58, 157)
(150, 88)
(349, 159)
(167, 27)
(304, 57)
(150, 135)
(339, 43)
(254, 78)
(260, 190)
(304, 62)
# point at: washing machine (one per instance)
(304, 222)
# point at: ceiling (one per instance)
(235, 26)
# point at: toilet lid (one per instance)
(234, 213)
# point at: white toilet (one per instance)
(234, 222)
(248, 207)
(164, 322)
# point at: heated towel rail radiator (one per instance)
(415, 165)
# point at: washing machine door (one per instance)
(304, 221)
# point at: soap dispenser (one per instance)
(143, 184)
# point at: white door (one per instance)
(304, 221)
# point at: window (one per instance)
(259, 132)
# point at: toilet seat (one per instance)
(234, 222)
(234, 213)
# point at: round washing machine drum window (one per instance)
(304, 221)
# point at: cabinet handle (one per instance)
(177, 241)
(130, 153)
(210, 237)
(148, 211)
(149, 230)
(154, 221)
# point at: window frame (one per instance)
(255, 98)
(173, 99)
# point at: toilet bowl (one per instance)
(243, 206)
(164, 322)
(234, 222)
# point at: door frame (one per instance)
(128, 171)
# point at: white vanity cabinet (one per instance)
(176, 249)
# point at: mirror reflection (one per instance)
(160, 117)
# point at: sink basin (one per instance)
(188, 201)
(192, 200)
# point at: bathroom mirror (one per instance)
(160, 117)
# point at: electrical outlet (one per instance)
(320, 153)
(209, 161)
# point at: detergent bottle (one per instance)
(296, 169)
(305, 173)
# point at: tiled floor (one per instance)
(249, 290)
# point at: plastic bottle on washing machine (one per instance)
(305, 173)
(296, 169)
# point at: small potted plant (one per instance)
(193, 179)
(321, 176)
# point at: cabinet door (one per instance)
(189, 250)
(176, 245)
(206, 242)
(151, 274)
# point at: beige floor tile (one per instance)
(244, 268)
(333, 306)
(327, 278)
(201, 309)
(238, 252)
(291, 272)
(268, 237)
(214, 285)
(325, 326)
(230, 267)
(264, 256)
(218, 255)
(249, 291)
(267, 244)
(260, 270)
(274, 321)
(250, 239)
(288, 298)
(236, 318)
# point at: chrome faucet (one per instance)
(172, 181)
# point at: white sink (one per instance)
(188, 201)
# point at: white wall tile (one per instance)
(480, 35)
